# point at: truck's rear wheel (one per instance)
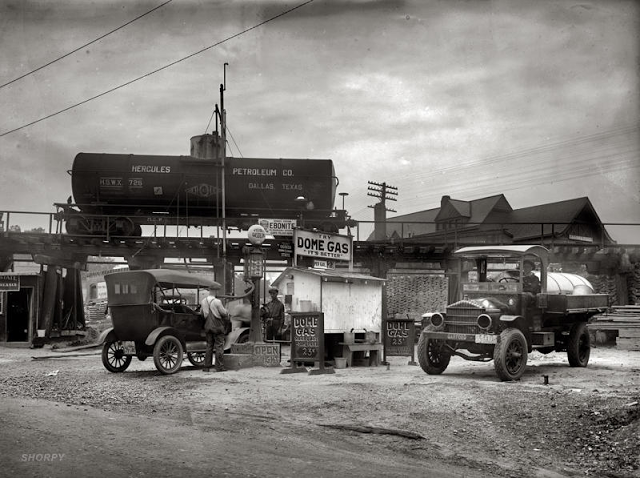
(432, 354)
(510, 355)
(579, 345)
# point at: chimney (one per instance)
(445, 200)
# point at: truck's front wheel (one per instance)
(579, 345)
(510, 355)
(432, 354)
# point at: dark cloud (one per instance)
(415, 85)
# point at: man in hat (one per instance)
(215, 338)
(273, 314)
(530, 282)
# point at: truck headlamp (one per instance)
(437, 320)
(484, 321)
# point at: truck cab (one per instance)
(508, 306)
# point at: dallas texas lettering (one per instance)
(267, 172)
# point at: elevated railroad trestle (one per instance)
(70, 249)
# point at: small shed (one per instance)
(348, 300)
(20, 305)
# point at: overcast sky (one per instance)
(535, 100)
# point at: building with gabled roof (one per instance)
(492, 220)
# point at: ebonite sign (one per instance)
(278, 227)
(322, 245)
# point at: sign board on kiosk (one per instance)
(322, 246)
(399, 338)
(307, 342)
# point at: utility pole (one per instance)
(223, 128)
(385, 193)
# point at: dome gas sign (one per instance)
(323, 245)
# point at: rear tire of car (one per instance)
(168, 354)
(113, 357)
(579, 345)
(432, 354)
(510, 355)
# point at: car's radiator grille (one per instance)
(462, 319)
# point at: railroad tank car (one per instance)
(130, 186)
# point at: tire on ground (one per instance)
(168, 354)
(510, 355)
(113, 357)
(579, 345)
(432, 354)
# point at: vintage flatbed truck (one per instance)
(499, 319)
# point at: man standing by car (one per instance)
(273, 314)
(212, 306)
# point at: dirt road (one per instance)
(258, 422)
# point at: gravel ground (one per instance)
(584, 422)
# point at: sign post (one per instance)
(307, 342)
(254, 261)
(399, 338)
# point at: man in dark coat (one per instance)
(273, 314)
(530, 282)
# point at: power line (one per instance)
(526, 152)
(555, 165)
(528, 183)
(488, 186)
(567, 163)
(617, 157)
(86, 44)
(157, 70)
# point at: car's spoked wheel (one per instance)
(113, 357)
(168, 354)
(196, 358)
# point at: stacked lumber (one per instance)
(603, 284)
(626, 320)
